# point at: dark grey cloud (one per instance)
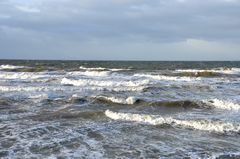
(66, 28)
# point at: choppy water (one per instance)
(83, 109)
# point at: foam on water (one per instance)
(12, 75)
(129, 100)
(29, 88)
(104, 83)
(233, 155)
(23, 75)
(5, 67)
(39, 97)
(90, 73)
(92, 69)
(167, 78)
(54, 111)
(102, 69)
(62, 88)
(217, 70)
(206, 125)
(223, 104)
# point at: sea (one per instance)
(119, 109)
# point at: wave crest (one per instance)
(6, 67)
(102, 69)
(221, 104)
(128, 101)
(205, 125)
(103, 83)
(166, 78)
(90, 73)
(216, 70)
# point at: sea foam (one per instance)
(21, 75)
(216, 70)
(102, 69)
(205, 125)
(92, 69)
(3, 67)
(90, 73)
(166, 78)
(223, 104)
(129, 100)
(103, 83)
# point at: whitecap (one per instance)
(216, 70)
(205, 125)
(166, 78)
(90, 73)
(92, 69)
(103, 69)
(5, 67)
(104, 83)
(223, 104)
(129, 100)
(21, 75)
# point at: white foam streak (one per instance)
(104, 83)
(3, 67)
(205, 125)
(167, 78)
(129, 100)
(90, 73)
(221, 104)
(217, 70)
(92, 69)
(102, 69)
(22, 75)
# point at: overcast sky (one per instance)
(120, 29)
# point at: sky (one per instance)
(120, 29)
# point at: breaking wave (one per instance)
(128, 101)
(90, 73)
(217, 70)
(134, 100)
(92, 69)
(102, 69)
(23, 75)
(5, 67)
(228, 155)
(221, 104)
(166, 78)
(101, 83)
(205, 125)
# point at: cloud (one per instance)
(126, 23)
(4, 16)
(28, 9)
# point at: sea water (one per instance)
(114, 109)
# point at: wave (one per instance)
(5, 67)
(177, 103)
(92, 69)
(228, 155)
(199, 74)
(102, 69)
(64, 114)
(128, 101)
(60, 88)
(22, 75)
(166, 78)
(205, 125)
(90, 73)
(90, 82)
(221, 104)
(5, 102)
(133, 100)
(216, 70)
